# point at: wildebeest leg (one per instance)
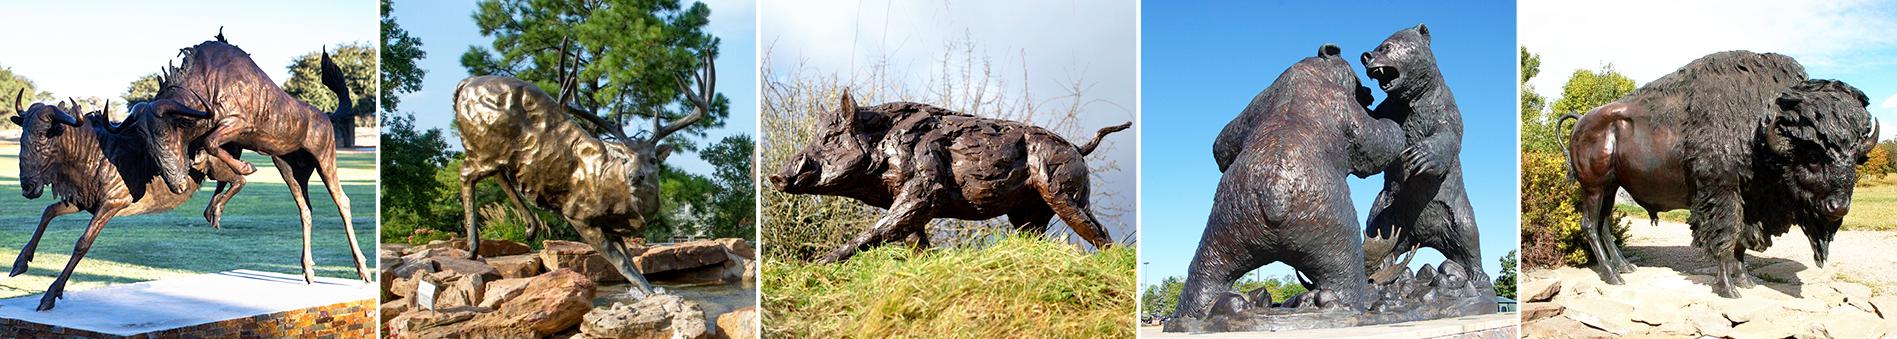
(105, 213)
(214, 143)
(32, 245)
(327, 169)
(297, 177)
(612, 245)
(472, 174)
(1597, 203)
(534, 226)
(220, 197)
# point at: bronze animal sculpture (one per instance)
(93, 170)
(923, 162)
(1743, 140)
(1282, 197)
(608, 189)
(251, 112)
(1423, 201)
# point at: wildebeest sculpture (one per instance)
(1283, 197)
(1743, 140)
(923, 162)
(607, 189)
(251, 112)
(94, 170)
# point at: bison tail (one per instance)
(1564, 143)
(1088, 148)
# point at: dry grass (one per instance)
(1873, 206)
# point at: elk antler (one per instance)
(707, 81)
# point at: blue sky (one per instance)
(96, 48)
(1202, 62)
(1844, 40)
(1057, 42)
(446, 29)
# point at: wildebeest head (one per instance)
(1403, 63)
(839, 155)
(159, 122)
(41, 124)
(1817, 138)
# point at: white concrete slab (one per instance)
(180, 302)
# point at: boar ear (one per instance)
(1424, 30)
(664, 151)
(846, 111)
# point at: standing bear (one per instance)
(1423, 202)
(1283, 196)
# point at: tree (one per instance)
(12, 84)
(1876, 166)
(1586, 90)
(141, 90)
(399, 53)
(1551, 224)
(735, 202)
(1505, 283)
(620, 59)
(1161, 299)
(412, 198)
(359, 69)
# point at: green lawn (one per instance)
(1873, 207)
(260, 232)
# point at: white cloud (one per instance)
(1889, 102)
(1647, 39)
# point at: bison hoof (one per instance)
(1612, 279)
(1727, 292)
(1625, 267)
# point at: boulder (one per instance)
(391, 249)
(659, 316)
(685, 255)
(502, 248)
(465, 267)
(500, 291)
(437, 252)
(465, 290)
(391, 309)
(1540, 310)
(1539, 289)
(413, 323)
(550, 303)
(740, 247)
(516, 266)
(738, 324)
(579, 257)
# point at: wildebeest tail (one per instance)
(333, 79)
(1091, 144)
(1564, 143)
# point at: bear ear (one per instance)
(1329, 50)
(1423, 29)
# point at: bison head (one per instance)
(1403, 63)
(159, 123)
(42, 124)
(839, 156)
(1819, 134)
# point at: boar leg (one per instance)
(327, 169)
(534, 226)
(1071, 205)
(58, 289)
(298, 178)
(909, 213)
(32, 245)
(1031, 220)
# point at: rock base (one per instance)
(1431, 293)
(237, 303)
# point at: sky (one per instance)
(97, 48)
(1845, 40)
(1203, 62)
(1058, 42)
(446, 29)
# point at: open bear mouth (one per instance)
(1384, 75)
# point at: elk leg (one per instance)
(32, 245)
(214, 143)
(534, 226)
(298, 180)
(1596, 204)
(327, 169)
(58, 289)
(613, 247)
(471, 175)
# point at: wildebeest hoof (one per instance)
(19, 266)
(244, 168)
(1229, 303)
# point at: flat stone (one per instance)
(1539, 289)
(680, 256)
(551, 303)
(1766, 328)
(1705, 321)
(502, 248)
(739, 324)
(1604, 314)
(516, 266)
(1886, 306)
(1852, 325)
(740, 247)
(1540, 310)
(659, 316)
(1747, 310)
(1563, 327)
(437, 252)
(500, 291)
(420, 320)
(579, 257)
(391, 309)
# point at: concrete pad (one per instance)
(160, 305)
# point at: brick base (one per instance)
(353, 319)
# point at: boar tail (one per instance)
(1088, 148)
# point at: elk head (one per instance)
(41, 125)
(640, 159)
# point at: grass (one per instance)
(1020, 286)
(261, 231)
(1873, 206)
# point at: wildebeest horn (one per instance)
(169, 107)
(62, 117)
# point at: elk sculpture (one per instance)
(608, 189)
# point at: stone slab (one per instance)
(238, 303)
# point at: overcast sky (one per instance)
(1851, 40)
(1058, 42)
(97, 48)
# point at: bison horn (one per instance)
(17, 96)
(1870, 141)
